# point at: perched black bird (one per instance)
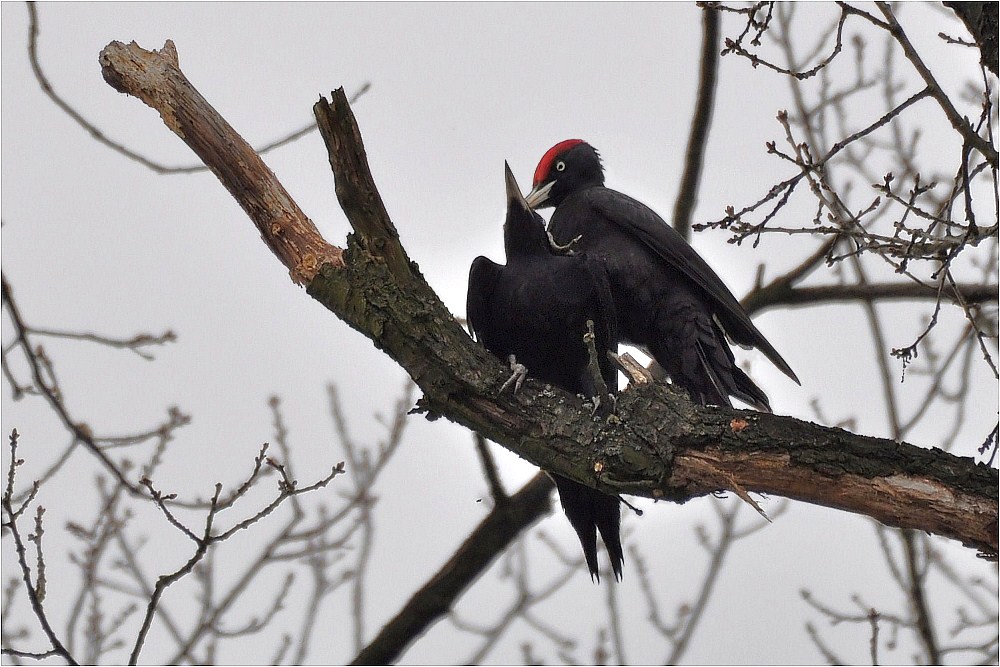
(668, 299)
(534, 311)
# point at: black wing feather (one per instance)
(483, 276)
(643, 223)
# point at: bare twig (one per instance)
(527, 596)
(497, 491)
(202, 543)
(134, 344)
(490, 538)
(97, 134)
(615, 624)
(960, 124)
(35, 595)
(81, 433)
(736, 46)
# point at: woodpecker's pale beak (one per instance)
(513, 191)
(539, 194)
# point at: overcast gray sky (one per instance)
(95, 242)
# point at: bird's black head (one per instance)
(568, 166)
(524, 230)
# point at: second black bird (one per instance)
(536, 309)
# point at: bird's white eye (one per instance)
(560, 166)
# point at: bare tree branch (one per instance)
(97, 134)
(687, 197)
(497, 491)
(80, 432)
(135, 343)
(202, 543)
(35, 590)
(490, 538)
(778, 294)
(284, 227)
(661, 447)
(960, 124)
(980, 18)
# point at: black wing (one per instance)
(643, 223)
(483, 278)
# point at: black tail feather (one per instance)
(693, 352)
(590, 511)
(609, 517)
(749, 392)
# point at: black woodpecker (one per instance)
(534, 311)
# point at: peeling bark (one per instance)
(660, 446)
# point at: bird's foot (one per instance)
(604, 408)
(567, 248)
(519, 372)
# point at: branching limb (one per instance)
(663, 446)
(687, 197)
(98, 135)
(284, 227)
(526, 597)
(960, 124)
(202, 543)
(42, 378)
(430, 603)
(35, 590)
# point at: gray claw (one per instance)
(606, 412)
(519, 372)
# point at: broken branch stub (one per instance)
(155, 78)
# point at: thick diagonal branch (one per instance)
(661, 447)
